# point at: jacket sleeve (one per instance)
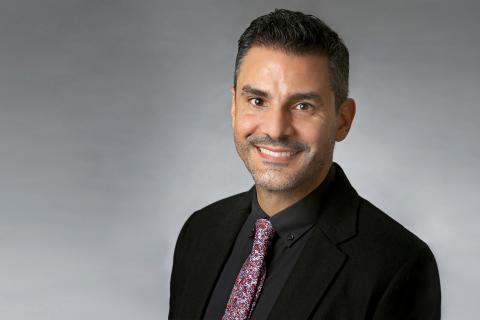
(414, 292)
(179, 268)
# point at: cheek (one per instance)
(245, 124)
(316, 134)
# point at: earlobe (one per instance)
(345, 119)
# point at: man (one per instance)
(301, 243)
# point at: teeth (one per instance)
(276, 154)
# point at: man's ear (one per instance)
(345, 116)
(232, 107)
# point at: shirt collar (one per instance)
(293, 222)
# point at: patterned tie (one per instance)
(249, 283)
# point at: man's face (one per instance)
(284, 119)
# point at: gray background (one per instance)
(114, 127)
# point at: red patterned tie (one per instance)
(249, 283)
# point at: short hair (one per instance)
(298, 33)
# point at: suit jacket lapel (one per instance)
(317, 266)
(214, 246)
(321, 260)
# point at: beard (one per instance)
(288, 176)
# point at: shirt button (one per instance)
(290, 236)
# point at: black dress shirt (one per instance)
(292, 228)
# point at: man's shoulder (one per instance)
(385, 237)
(379, 223)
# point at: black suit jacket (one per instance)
(357, 264)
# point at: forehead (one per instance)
(274, 69)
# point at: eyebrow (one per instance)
(311, 95)
(249, 90)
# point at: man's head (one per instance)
(297, 33)
(289, 100)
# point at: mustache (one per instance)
(283, 142)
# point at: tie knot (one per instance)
(263, 231)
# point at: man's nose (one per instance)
(277, 123)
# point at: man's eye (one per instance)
(303, 106)
(256, 101)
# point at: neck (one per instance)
(273, 202)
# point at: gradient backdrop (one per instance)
(114, 127)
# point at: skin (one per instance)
(284, 103)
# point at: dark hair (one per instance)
(297, 33)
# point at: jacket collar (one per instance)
(338, 218)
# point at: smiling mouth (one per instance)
(280, 155)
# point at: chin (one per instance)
(275, 184)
